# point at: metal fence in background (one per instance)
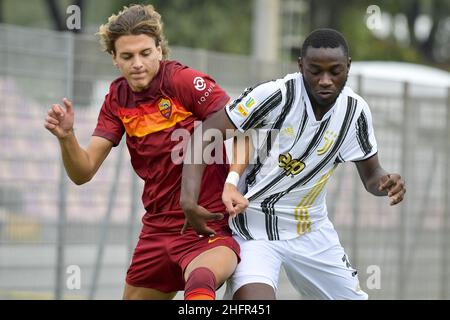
(47, 224)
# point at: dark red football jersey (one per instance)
(176, 97)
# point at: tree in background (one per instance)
(217, 25)
(434, 47)
(412, 30)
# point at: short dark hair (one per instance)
(325, 38)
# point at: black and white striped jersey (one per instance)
(295, 155)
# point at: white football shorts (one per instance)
(315, 264)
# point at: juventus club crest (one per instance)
(165, 107)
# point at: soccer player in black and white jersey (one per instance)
(318, 123)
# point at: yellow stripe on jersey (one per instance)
(301, 210)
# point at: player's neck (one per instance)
(320, 111)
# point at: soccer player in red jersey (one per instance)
(153, 98)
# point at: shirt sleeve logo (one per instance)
(250, 103)
(165, 107)
(199, 83)
(244, 107)
(242, 110)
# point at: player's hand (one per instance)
(59, 121)
(395, 187)
(197, 217)
(234, 201)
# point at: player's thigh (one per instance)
(139, 293)
(221, 260)
(255, 291)
(260, 264)
(318, 267)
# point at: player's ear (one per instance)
(114, 59)
(160, 55)
(300, 64)
(349, 63)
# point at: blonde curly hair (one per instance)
(133, 20)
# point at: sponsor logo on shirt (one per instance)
(206, 94)
(199, 83)
(165, 107)
(290, 166)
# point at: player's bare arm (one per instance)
(80, 164)
(234, 201)
(197, 216)
(380, 183)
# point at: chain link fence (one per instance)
(50, 229)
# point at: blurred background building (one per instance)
(401, 63)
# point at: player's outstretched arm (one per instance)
(197, 216)
(80, 164)
(380, 183)
(234, 201)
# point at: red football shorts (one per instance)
(160, 259)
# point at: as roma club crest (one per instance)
(165, 107)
